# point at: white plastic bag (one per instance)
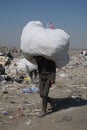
(26, 66)
(51, 43)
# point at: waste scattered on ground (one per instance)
(30, 90)
(16, 105)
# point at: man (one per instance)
(47, 70)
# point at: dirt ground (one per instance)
(70, 113)
(19, 111)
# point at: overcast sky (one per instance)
(69, 15)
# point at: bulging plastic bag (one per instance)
(50, 43)
(25, 65)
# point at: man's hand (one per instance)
(52, 81)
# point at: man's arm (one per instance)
(52, 71)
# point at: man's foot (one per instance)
(42, 114)
(52, 104)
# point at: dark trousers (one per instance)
(44, 91)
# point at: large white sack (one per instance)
(51, 43)
(25, 65)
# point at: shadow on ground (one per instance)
(68, 102)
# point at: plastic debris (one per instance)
(5, 113)
(30, 90)
(28, 122)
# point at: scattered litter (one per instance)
(21, 111)
(30, 90)
(5, 113)
(11, 117)
(33, 114)
(12, 102)
(62, 75)
(28, 122)
(4, 83)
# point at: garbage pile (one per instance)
(15, 69)
(19, 98)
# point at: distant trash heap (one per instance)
(5, 58)
(84, 52)
(15, 68)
